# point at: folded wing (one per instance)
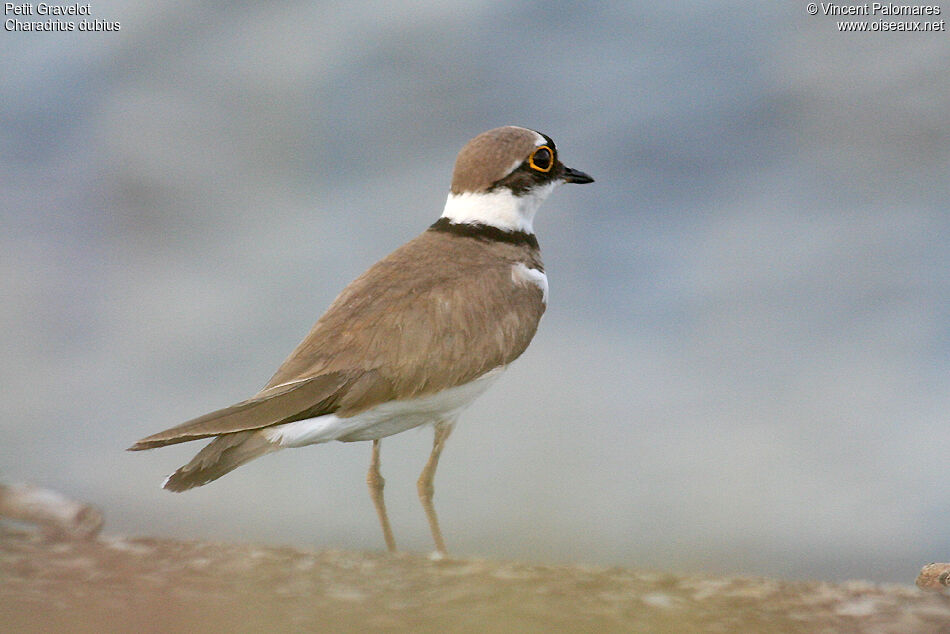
(283, 404)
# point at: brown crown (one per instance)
(489, 157)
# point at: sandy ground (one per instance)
(117, 584)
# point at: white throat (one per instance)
(499, 208)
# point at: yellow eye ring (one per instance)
(544, 164)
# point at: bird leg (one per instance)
(376, 483)
(424, 484)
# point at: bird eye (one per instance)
(542, 159)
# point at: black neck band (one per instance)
(485, 232)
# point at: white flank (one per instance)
(500, 208)
(383, 420)
(521, 274)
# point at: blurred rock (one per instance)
(141, 584)
(934, 577)
(56, 514)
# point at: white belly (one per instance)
(383, 420)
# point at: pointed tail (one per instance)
(223, 454)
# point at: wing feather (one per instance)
(303, 399)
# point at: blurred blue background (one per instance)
(744, 363)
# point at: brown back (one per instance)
(438, 312)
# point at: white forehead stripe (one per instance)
(521, 274)
(540, 140)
